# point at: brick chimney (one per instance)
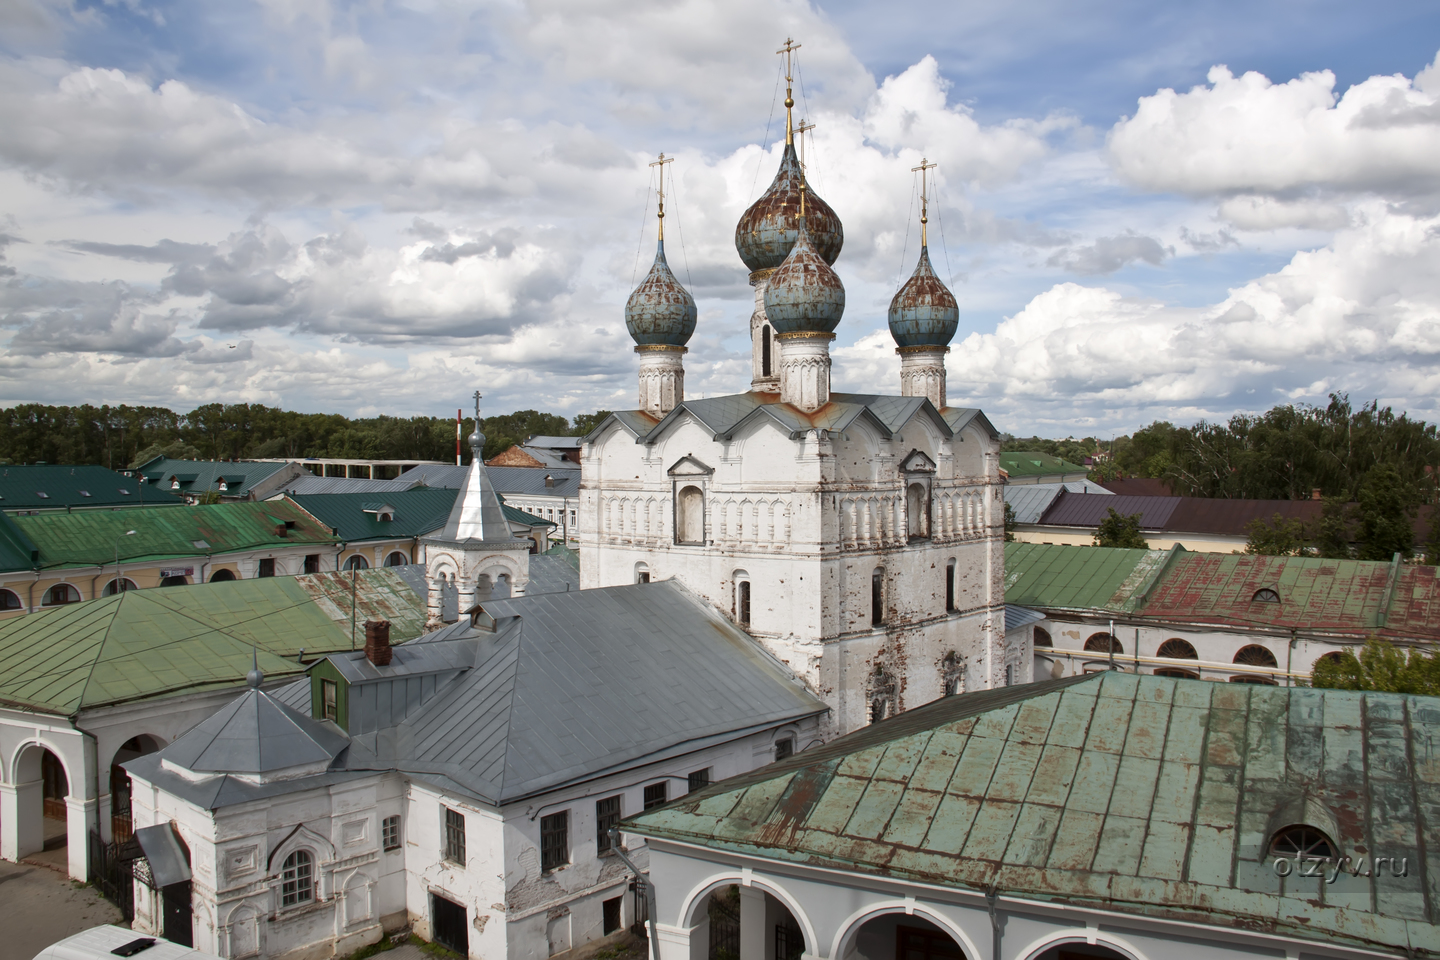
(377, 642)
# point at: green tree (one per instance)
(1120, 531)
(178, 450)
(1382, 667)
(1277, 537)
(1331, 533)
(1386, 514)
(584, 423)
(1010, 523)
(1432, 542)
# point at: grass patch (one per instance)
(383, 944)
(435, 950)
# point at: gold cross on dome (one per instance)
(789, 51)
(800, 132)
(924, 198)
(660, 215)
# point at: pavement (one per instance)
(42, 905)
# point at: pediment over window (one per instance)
(688, 466)
(917, 462)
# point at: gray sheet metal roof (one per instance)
(554, 443)
(477, 514)
(551, 575)
(1017, 617)
(255, 733)
(574, 684)
(437, 475)
(309, 485)
(1030, 500)
(530, 481)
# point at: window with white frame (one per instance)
(390, 832)
(454, 836)
(297, 879)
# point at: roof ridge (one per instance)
(99, 652)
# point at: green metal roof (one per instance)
(418, 511)
(1137, 794)
(88, 538)
(203, 476)
(150, 643)
(1020, 463)
(515, 515)
(17, 551)
(1060, 577)
(54, 487)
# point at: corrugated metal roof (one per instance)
(1024, 463)
(1140, 794)
(150, 643)
(201, 476)
(88, 538)
(53, 487)
(1059, 577)
(1088, 509)
(1030, 500)
(417, 512)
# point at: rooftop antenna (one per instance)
(660, 192)
(924, 198)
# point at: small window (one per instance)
(1265, 595)
(698, 780)
(59, 594)
(642, 573)
(122, 585)
(656, 795)
(742, 602)
(454, 836)
(1302, 842)
(176, 581)
(607, 814)
(84, 493)
(1042, 638)
(610, 914)
(952, 674)
(555, 840)
(1254, 655)
(784, 748)
(950, 587)
(329, 700)
(312, 563)
(297, 879)
(396, 559)
(765, 350)
(42, 495)
(877, 597)
(10, 600)
(1103, 643)
(222, 576)
(356, 562)
(266, 568)
(390, 833)
(1177, 649)
(1009, 674)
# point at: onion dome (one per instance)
(660, 312)
(768, 229)
(804, 295)
(924, 313)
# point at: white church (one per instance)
(858, 536)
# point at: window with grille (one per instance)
(656, 794)
(610, 914)
(607, 814)
(455, 836)
(784, 748)
(877, 596)
(555, 840)
(267, 568)
(390, 833)
(329, 700)
(699, 780)
(297, 883)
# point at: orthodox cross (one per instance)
(478, 395)
(924, 200)
(800, 130)
(789, 51)
(661, 215)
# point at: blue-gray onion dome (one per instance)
(768, 230)
(660, 311)
(804, 294)
(924, 313)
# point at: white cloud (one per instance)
(1108, 254)
(1248, 135)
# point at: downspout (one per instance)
(641, 879)
(1289, 658)
(30, 594)
(992, 896)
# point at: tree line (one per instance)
(126, 436)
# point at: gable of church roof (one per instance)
(917, 461)
(688, 466)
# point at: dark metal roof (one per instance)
(1139, 794)
(1029, 501)
(1088, 509)
(416, 512)
(201, 476)
(54, 487)
(530, 481)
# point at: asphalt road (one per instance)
(41, 906)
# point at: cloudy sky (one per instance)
(1146, 210)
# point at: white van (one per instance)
(111, 942)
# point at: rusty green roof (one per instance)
(1139, 794)
(88, 538)
(1060, 577)
(1025, 463)
(150, 643)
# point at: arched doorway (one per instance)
(1080, 950)
(751, 921)
(900, 936)
(396, 559)
(42, 785)
(121, 825)
(222, 576)
(122, 585)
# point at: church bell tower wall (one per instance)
(922, 373)
(662, 378)
(805, 370)
(764, 350)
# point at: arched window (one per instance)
(10, 600)
(1104, 643)
(1176, 673)
(950, 586)
(297, 882)
(175, 581)
(356, 562)
(222, 576)
(1042, 638)
(1255, 655)
(952, 674)
(877, 597)
(742, 602)
(1252, 678)
(60, 593)
(1265, 595)
(690, 516)
(1177, 649)
(119, 586)
(396, 559)
(1302, 841)
(642, 573)
(765, 350)
(880, 694)
(917, 511)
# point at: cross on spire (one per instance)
(800, 132)
(661, 191)
(924, 197)
(789, 51)
(478, 395)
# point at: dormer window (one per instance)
(1302, 842)
(42, 494)
(1265, 595)
(224, 486)
(84, 493)
(174, 484)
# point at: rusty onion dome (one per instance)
(924, 313)
(660, 311)
(804, 294)
(766, 232)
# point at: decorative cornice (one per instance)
(758, 277)
(804, 335)
(660, 348)
(906, 351)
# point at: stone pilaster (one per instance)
(922, 373)
(662, 378)
(805, 369)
